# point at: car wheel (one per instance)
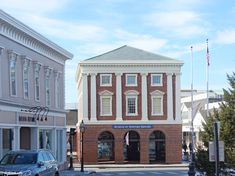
(57, 174)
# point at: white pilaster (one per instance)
(93, 97)
(177, 97)
(34, 138)
(85, 97)
(1, 143)
(144, 97)
(169, 97)
(54, 141)
(16, 138)
(64, 143)
(1, 51)
(118, 97)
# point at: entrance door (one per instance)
(157, 151)
(132, 147)
(25, 138)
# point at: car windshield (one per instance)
(19, 158)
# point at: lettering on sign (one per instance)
(26, 119)
(132, 126)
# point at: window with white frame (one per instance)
(131, 103)
(106, 103)
(37, 68)
(26, 78)
(157, 103)
(12, 68)
(57, 89)
(131, 79)
(47, 85)
(106, 79)
(156, 79)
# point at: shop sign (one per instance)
(132, 126)
(26, 119)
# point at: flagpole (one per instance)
(207, 79)
(191, 171)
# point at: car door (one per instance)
(42, 168)
(51, 163)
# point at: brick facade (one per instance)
(145, 136)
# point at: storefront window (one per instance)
(45, 139)
(7, 137)
(106, 146)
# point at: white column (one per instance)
(169, 97)
(34, 138)
(177, 97)
(16, 138)
(85, 97)
(54, 141)
(64, 143)
(1, 144)
(93, 97)
(118, 97)
(144, 97)
(1, 49)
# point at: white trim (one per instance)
(156, 84)
(169, 97)
(144, 96)
(93, 98)
(130, 85)
(118, 96)
(110, 80)
(105, 93)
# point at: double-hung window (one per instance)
(157, 103)
(106, 79)
(57, 89)
(131, 103)
(131, 79)
(37, 68)
(26, 77)
(105, 103)
(156, 79)
(47, 85)
(12, 69)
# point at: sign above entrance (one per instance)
(132, 126)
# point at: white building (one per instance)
(31, 79)
(200, 111)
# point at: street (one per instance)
(143, 171)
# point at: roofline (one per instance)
(29, 31)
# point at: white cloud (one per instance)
(29, 6)
(226, 37)
(180, 23)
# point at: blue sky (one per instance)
(87, 28)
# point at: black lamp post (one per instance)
(71, 134)
(82, 130)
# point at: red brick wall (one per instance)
(162, 88)
(172, 136)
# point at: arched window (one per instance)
(105, 146)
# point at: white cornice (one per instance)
(17, 31)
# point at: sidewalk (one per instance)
(89, 169)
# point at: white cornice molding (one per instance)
(17, 31)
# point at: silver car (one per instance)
(29, 163)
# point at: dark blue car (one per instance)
(29, 163)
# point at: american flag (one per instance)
(207, 53)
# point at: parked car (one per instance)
(29, 163)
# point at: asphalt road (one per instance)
(146, 172)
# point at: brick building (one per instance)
(129, 100)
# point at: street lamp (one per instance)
(82, 130)
(71, 134)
